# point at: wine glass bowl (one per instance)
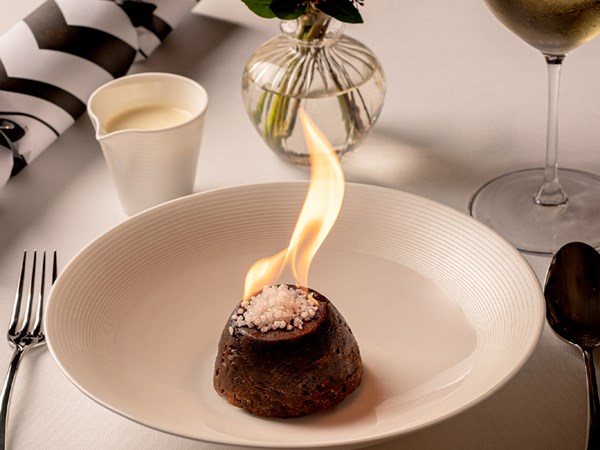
(539, 210)
(554, 27)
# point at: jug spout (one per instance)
(98, 127)
(111, 143)
(117, 140)
(99, 121)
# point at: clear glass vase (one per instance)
(337, 80)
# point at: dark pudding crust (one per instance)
(292, 373)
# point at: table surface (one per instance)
(466, 102)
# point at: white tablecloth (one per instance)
(466, 102)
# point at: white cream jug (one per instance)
(149, 127)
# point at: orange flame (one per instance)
(321, 207)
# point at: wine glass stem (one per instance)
(551, 192)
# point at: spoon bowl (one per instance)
(572, 293)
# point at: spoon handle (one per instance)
(594, 404)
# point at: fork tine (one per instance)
(37, 328)
(40, 309)
(19, 296)
(30, 296)
(54, 268)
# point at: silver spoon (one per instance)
(572, 295)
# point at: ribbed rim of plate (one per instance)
(447, 230)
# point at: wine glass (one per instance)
(539, 210)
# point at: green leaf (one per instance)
(342, 10)
(261, 8)
(289, 9)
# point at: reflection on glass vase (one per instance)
(337, 80)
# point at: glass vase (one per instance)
(337, 80)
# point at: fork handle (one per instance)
(6, 391)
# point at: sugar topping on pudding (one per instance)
(280, 307)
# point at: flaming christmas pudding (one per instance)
(287, 352)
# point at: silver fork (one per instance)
(22, 333)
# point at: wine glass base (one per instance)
(506, 205)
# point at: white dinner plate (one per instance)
(444, 311)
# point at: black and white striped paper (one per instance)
(52, 61)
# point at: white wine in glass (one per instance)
(539, 210)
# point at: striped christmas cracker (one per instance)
(52, 61)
